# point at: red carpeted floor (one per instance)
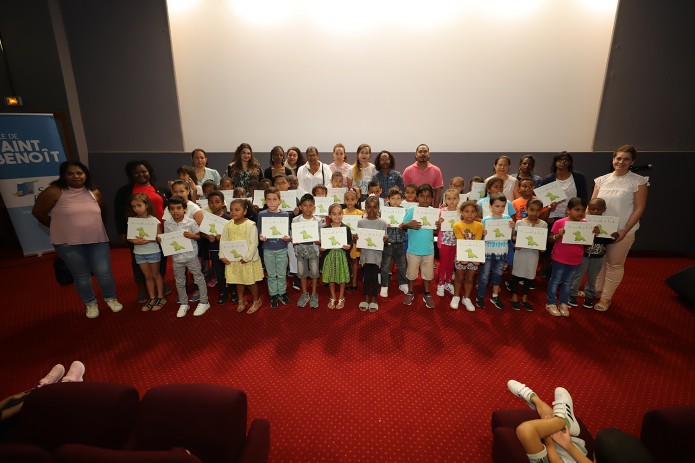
(403, 384)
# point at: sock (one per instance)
(540, 457)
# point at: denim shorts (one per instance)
(148, 258)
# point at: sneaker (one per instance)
(75, 373)
(449, 288)
(255, 306)
(114, 305)
(373, 307)
(303, 300)
(234, 298)
(588, 303)
(384, 291)
(552, 310)
(314, 301)
(408, 299)
(455, 302)
(429, 302)
(53, 376)
(183, 308)
(564, 310)
(201, 309)
(341, 303)
(364, 306)
(527, 306)
(440, 290)
(520, 390)
(296, 283)
(222, 298)
(92, 310)
(284, 299)
(572, 301)
(497, 302)
(468, 304)
(507, 285)
(404, 288)
(564, 408)
(212, 282)
(532, 284)
(274, 300)
(195, 296)
(516, 305)
(480, 302)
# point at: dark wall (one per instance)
(649, 96)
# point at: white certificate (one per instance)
(498, 230)
(427, 216)
(234, 251)
(305, 232)
(212, 224)
(351, 221)
(407, 205)
(368, 238)
(228, 197)
(333, 237)
(259, 198)
(578, 233)
(470, 250)
(532, 238)
(337, 195)
(175, 243)
(275, 227)
(477, 191)
(462, 198)
(550, 193)
(393, 215)
(607, 224)
(450, 218)
(322, 204)
(485, 208)
(142, 228)
(288, 200)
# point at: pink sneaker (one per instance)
(53, 376)
(212, 282)
(75, 373)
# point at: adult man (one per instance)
(422, 172)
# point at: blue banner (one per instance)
(30, 154)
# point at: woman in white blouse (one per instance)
(314, 172)
(362, 170)
(625, 194)
(501, 169)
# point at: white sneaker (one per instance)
(404, 288)
(384, 291)
(201, 309)
(440, 290)
(520, 390)
(469, 305)
(564, 408)
(455, 302)
(114, 305)
(75, 373)
(92, 310)
(183, 308)
(449, 288)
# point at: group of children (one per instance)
(407, 245)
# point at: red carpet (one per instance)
(404, 384)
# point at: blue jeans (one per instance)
(83, 260)
(494, 264)
(561, 277)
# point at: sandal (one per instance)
(159, 303)
(341, 303)
(150, 304)
(331, 303)
(602, 307)
(255, 306)
(242, 306)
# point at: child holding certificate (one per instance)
(467, 229)
(335, 264)
(447, 246)
(525, 259)
(307, 256)
(275, 250)
(351, 197)
(217, 207)
(370, 259)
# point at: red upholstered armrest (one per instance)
(257, 445)
(666, 431)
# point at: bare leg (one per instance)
(458, 281)
(314, 281)
(253, 289)
(341, 289)
(331, 286)
(468, 283)
(531, 433)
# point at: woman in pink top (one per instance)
(71, 208)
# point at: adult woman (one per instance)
(140, 180)
(501, 169)
(339, 163)
(572, 182)
(202, 171)
(387, 176)
(362, 170)
(71, 207)
(314, 172)
(526, 166)
(625, 194)
(277, 164)
(244, 167)
(295, 159)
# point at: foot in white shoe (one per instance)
(440, 290)
(183, 308)
(455, 302)
(92, 310)
(75, 373)
(449, 288)
(564, 408)
(384, 291)
(114, 305)
(404, 288)
(520, 390)
(53, 376)
(468, 304)
(201, 309)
